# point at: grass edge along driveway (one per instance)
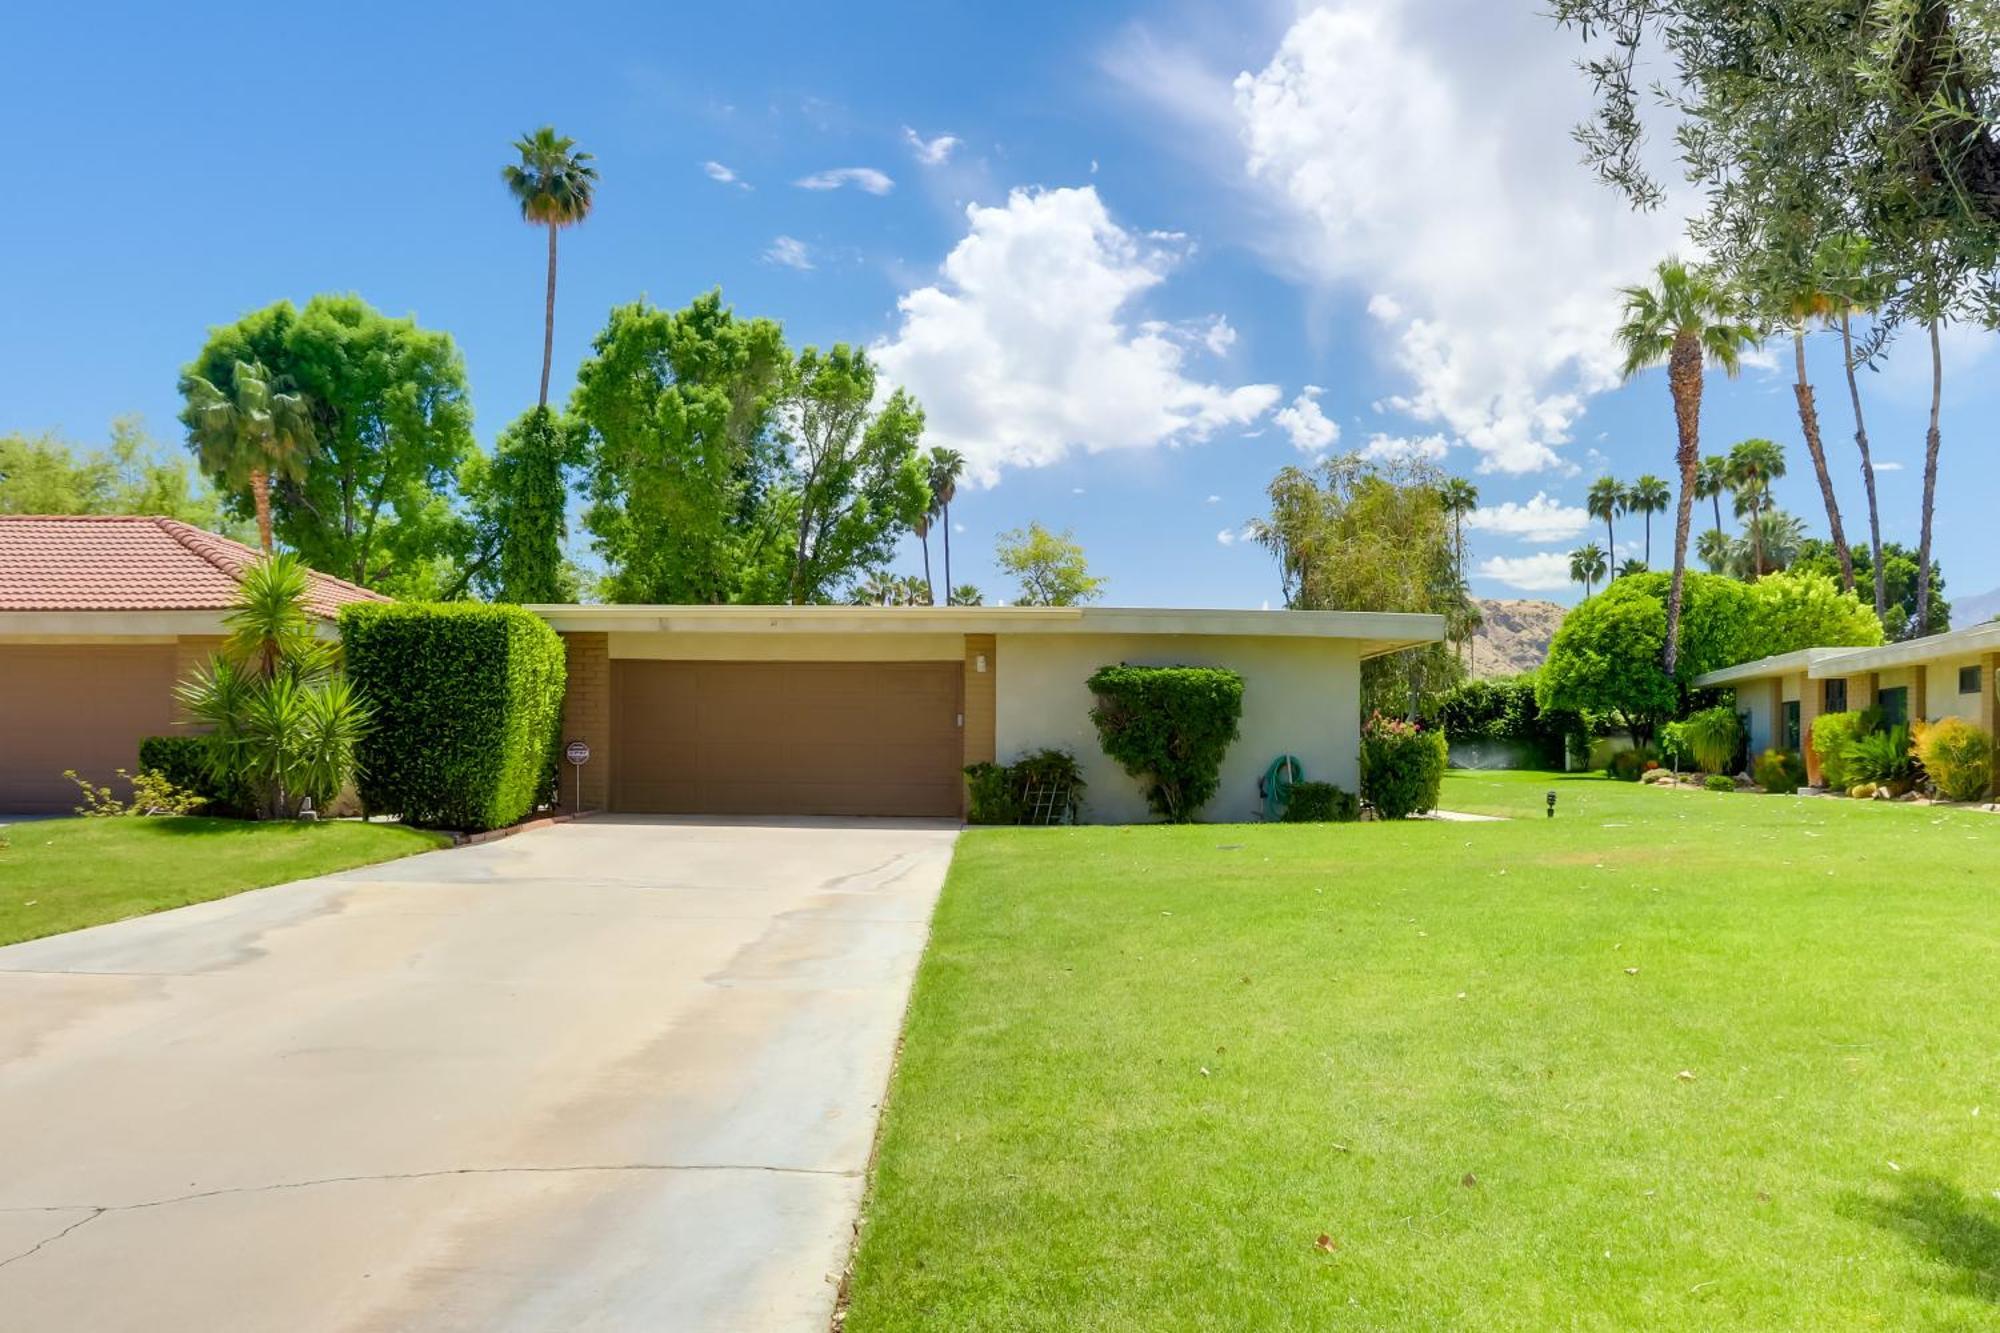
(1147, 1070)
(59, 875)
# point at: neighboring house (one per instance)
(877, 710)
(1944, 675)
(99, 616)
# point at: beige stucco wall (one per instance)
(1300, 696)
(1943, 699)
(1760, 699)
(666, 645)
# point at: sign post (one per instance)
(578, 753)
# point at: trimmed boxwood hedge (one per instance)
(1169, 727)
(468, 709)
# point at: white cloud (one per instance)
(1311, 430)
(1215, 499)
(791, 252)
(1416, 155)
(1404, 448)
(1220, 337)
(1022, 351)
(1231, 536)
(719, 173)
(862, 178)
(931, 152)
(1887, 467)
(1547, 571)
(1539, 520)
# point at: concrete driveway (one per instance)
(619, 1074)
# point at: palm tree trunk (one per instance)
(549, 318)
(1684, 382)
(1649, 540)
(930, 588)
(1756, 542)
(945, 509)
(1931, 441)
(260, 492)
(1867, 468)
(1610, 547)
(1809, 422)
(1716, 499)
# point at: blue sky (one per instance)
(1132, 258)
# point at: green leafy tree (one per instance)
(1649, 496)
(249, 433)
(280, 719)
(128, 475)
(1753, 466)
(686, 471)
(555, 186)
(1586, 566)
(1899, 579)
(1688, 319)
(1794, 610)
(861, 482)
(945, 467)
(520, 502)
(1605, 501)
(1050, 566)
(392, 419)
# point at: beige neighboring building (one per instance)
(877, 710)
(99, 617)
(1944, 675)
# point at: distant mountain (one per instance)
(1975, 610)
(1515, 636)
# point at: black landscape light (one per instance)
(1552, 805)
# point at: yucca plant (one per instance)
(1883, 758)
(279, 716)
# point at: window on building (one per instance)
(1836, 696)
(1968, 680)
(1792, 724)
(1895, 705)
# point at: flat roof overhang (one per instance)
(1779, 664)
(1984, 638)
(1376, 632)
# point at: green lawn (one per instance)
(63, 874)
(1147, 1068)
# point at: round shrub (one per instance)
(1832, 733)
(1780, 772)
(1719, 782)
(1168, 727)
(1321, 803)
(1959, 758)
(1631, 765)
(1402, 767)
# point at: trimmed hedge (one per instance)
(183, 761)
(1402, 768)
(1321, 803)
(468, 709)
(1169, 727)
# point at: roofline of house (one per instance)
(1377, 632)
(69, 626)
(1830, 663)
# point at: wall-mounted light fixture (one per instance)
(979, 664)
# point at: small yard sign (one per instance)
(578, 753)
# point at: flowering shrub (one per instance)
(1402, 767)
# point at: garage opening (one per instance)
(80, 706)
(786, 738)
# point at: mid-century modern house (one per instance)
(756, 710)
(99, 616)
(1944, 675)
(877, 710)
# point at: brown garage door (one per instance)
(77, 706)
(786, 738)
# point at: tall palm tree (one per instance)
(1711, 479)
(1459, 498)
(1716, 549)
(1586, 566)
(1649, 496)
(1929, 303)
(923, 527)
(944, 468)
(1849, 274)
(1687, 319)
(1806, 298)
(1629, 566)
(555, 186)
(1753, 466)
(250, 434)
(1606, 499)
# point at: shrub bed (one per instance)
(1832, 734)
(1959, 758)
(1169, 727)
(183, 761)
(1402, 767)
(1780, 772)
(468, 706)
(1019, 792)
(1321, 803)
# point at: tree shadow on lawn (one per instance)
(198, 826)
(1943, 1222)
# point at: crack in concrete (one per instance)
(46, 1241)
(97, 1210)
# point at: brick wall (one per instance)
(587, 717)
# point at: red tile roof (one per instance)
(103, 562)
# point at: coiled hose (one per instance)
(1276, 785)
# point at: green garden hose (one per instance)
(1276, 785)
